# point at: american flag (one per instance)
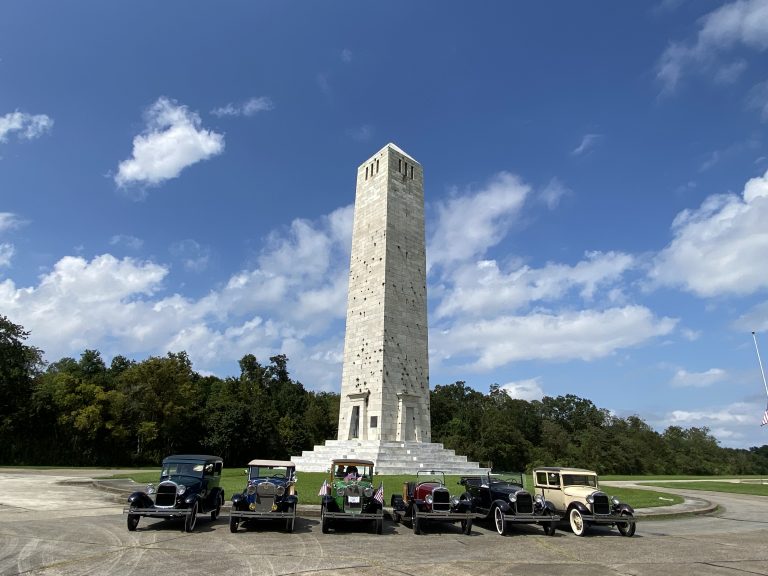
(379, 496)
(323, 488)
(765, 418)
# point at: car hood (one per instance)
(191, 483)
(579, 491)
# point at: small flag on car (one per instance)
(379, 496)
(323, 488)
(765, 419)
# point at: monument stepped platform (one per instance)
(389, 457)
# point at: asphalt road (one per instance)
(49, 528)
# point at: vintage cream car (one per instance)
(577, 497)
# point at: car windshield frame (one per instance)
(186, 468)
(579, 479)
(285, 473)
(362, 472)
(430, 476)
(504, 477)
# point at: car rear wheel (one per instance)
(416, 523)
(379, 525)
(578, 525)
(234, 523)
(191, 519)
(628, 528)
(466, 526)
(216, 511)
(133, 521)
(499, 521)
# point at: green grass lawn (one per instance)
(308, 485)
(753, 488)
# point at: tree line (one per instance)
(83, 412)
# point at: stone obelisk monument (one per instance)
(384, 412)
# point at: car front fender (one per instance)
(140, 500)
(291, 500)
(239, 501)
(623, 507)
(502, 504)
(580, 507)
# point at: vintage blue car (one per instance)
(270, 494)
(189, 485)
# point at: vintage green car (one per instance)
(349, 493)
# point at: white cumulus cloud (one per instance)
(524, 389)
(172, 140)
(26, 126)
(743, 23)
(719, 248)
(468, 225)
(250, 107)
(683, 378)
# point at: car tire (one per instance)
(324, 522)
(234, 523)
(466, 526)
(217, 510)
(191, 519)
(415, 522)
(578, 524)
(379, 526)
(499, 521)
(627, 529)
(395, 517)
(133, 521)
(291, 521)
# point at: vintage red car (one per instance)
(428, 499)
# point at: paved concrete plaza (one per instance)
(50, 528)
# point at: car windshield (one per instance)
(434, 476)
(580, 480)
(273, 472)
(352, 471)
(183, 469)
(507, 478)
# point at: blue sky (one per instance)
(181, 175)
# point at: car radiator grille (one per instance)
(355, 493)
(441, 500)
(265, 497)
(601, 505)
(524, 503)
(166, 495)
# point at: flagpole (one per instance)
(760, 362)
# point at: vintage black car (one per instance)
(428, 499)
(270, 494)
(189, 485)
(349, 493)
(501, 499)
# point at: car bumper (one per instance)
(445, 516)
(607, 519)
(158, 512)
(355, 516)
(530, 518)
(250, 514)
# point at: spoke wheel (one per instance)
(191, 520)
(290, 522)
(234, 523)
(578, 525)
(133, 521)
(499, 520)
(628, 528)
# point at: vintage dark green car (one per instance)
(270, 494)
(189, 484)
(349, 494)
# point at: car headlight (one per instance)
(539, 499)
(512, 497)
(428, 499)
(454, 501)
(615, 501)
(590, 499)
(251, 490)
(280, 490)
(150, 488)
(340, 492)
(368, 492)
(181, 490)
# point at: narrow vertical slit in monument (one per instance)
(366, 172)
(377, 165)
(399, 164)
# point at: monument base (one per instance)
(389, 457)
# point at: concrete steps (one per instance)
(389, 457)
